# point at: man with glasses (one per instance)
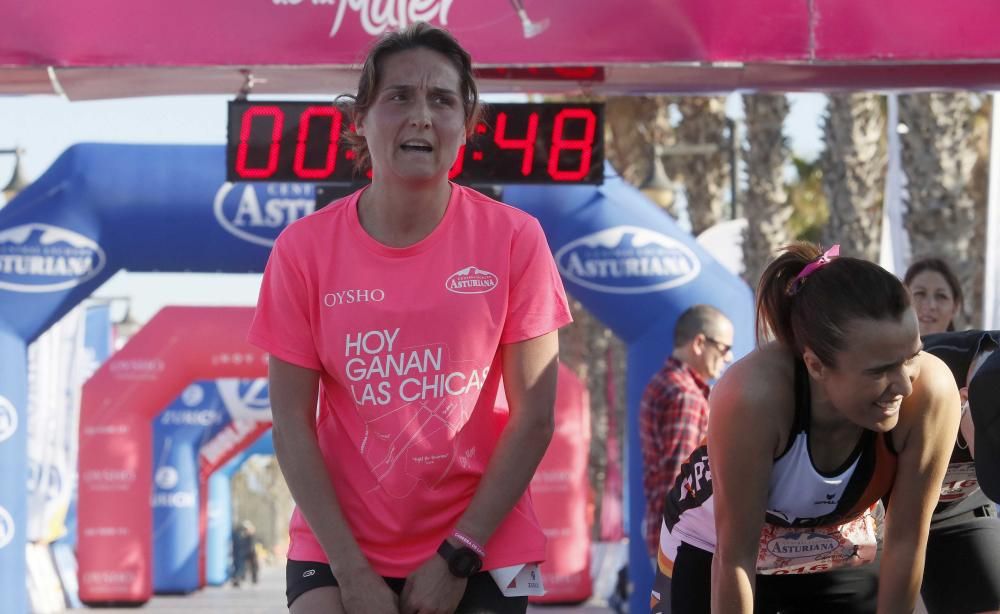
(673, 415)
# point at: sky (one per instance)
(44, 126)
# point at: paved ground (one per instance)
(268, 597)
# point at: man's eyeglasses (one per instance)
(722, 347)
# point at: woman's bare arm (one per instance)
(742, 442)
(293, 392)
(926, 432)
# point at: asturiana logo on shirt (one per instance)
(471, 280)
(44, 258)
(802, 545)
(258, 213)
(627, 260)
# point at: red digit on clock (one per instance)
(584, 145)
(527, 143)
(456, 168)
(272, 152)
(331, 145)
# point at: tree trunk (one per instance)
(979, 192)
(705, 176)
(765, 202)
(854, 166)
(939, 156)
(635, 126)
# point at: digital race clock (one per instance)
(516, 143)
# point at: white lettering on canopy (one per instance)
(377, 16)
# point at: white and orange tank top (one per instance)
(816, 518)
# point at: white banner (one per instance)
(51, 426)
(59, 362)
(895, 250)
(991, 274)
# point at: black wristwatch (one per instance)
(463, 562)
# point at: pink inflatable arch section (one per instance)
(177, 346)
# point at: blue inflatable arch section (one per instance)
(101, 208)
(189, 422)
(218, 541)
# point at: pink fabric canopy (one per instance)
(125, 48)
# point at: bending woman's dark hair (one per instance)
(417, 36)
(815, 312)
(940, 267)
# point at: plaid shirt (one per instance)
(673, 421)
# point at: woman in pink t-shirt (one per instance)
(390, 316)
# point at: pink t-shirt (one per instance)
(406, 341)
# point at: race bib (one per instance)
(959, 482)
(519, 580)
(800, 550)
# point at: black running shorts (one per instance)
(481, 594)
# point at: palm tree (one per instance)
(938, 158)
(807, 201)
(978, 191)
(765, 201)
(703, 122)
(853, 164)
(636, 127)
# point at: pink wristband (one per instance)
(469, 542)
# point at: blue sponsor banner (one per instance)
(39, 258)
(245, 398)
(627, 260)
(257, 212)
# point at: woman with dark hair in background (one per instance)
(807, 434)
(937, 294)
(398, 308)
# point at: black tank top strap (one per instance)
(802, 406)
(803, 401)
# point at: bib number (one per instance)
(802, 550)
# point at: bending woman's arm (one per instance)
(529, 376)
(927, 429)
(742, 442)
(293, 392)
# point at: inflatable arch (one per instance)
(201, 417)
(101, 208)
(178, 345)
(210, 424)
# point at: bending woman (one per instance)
(399, 307)
(806, 435)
